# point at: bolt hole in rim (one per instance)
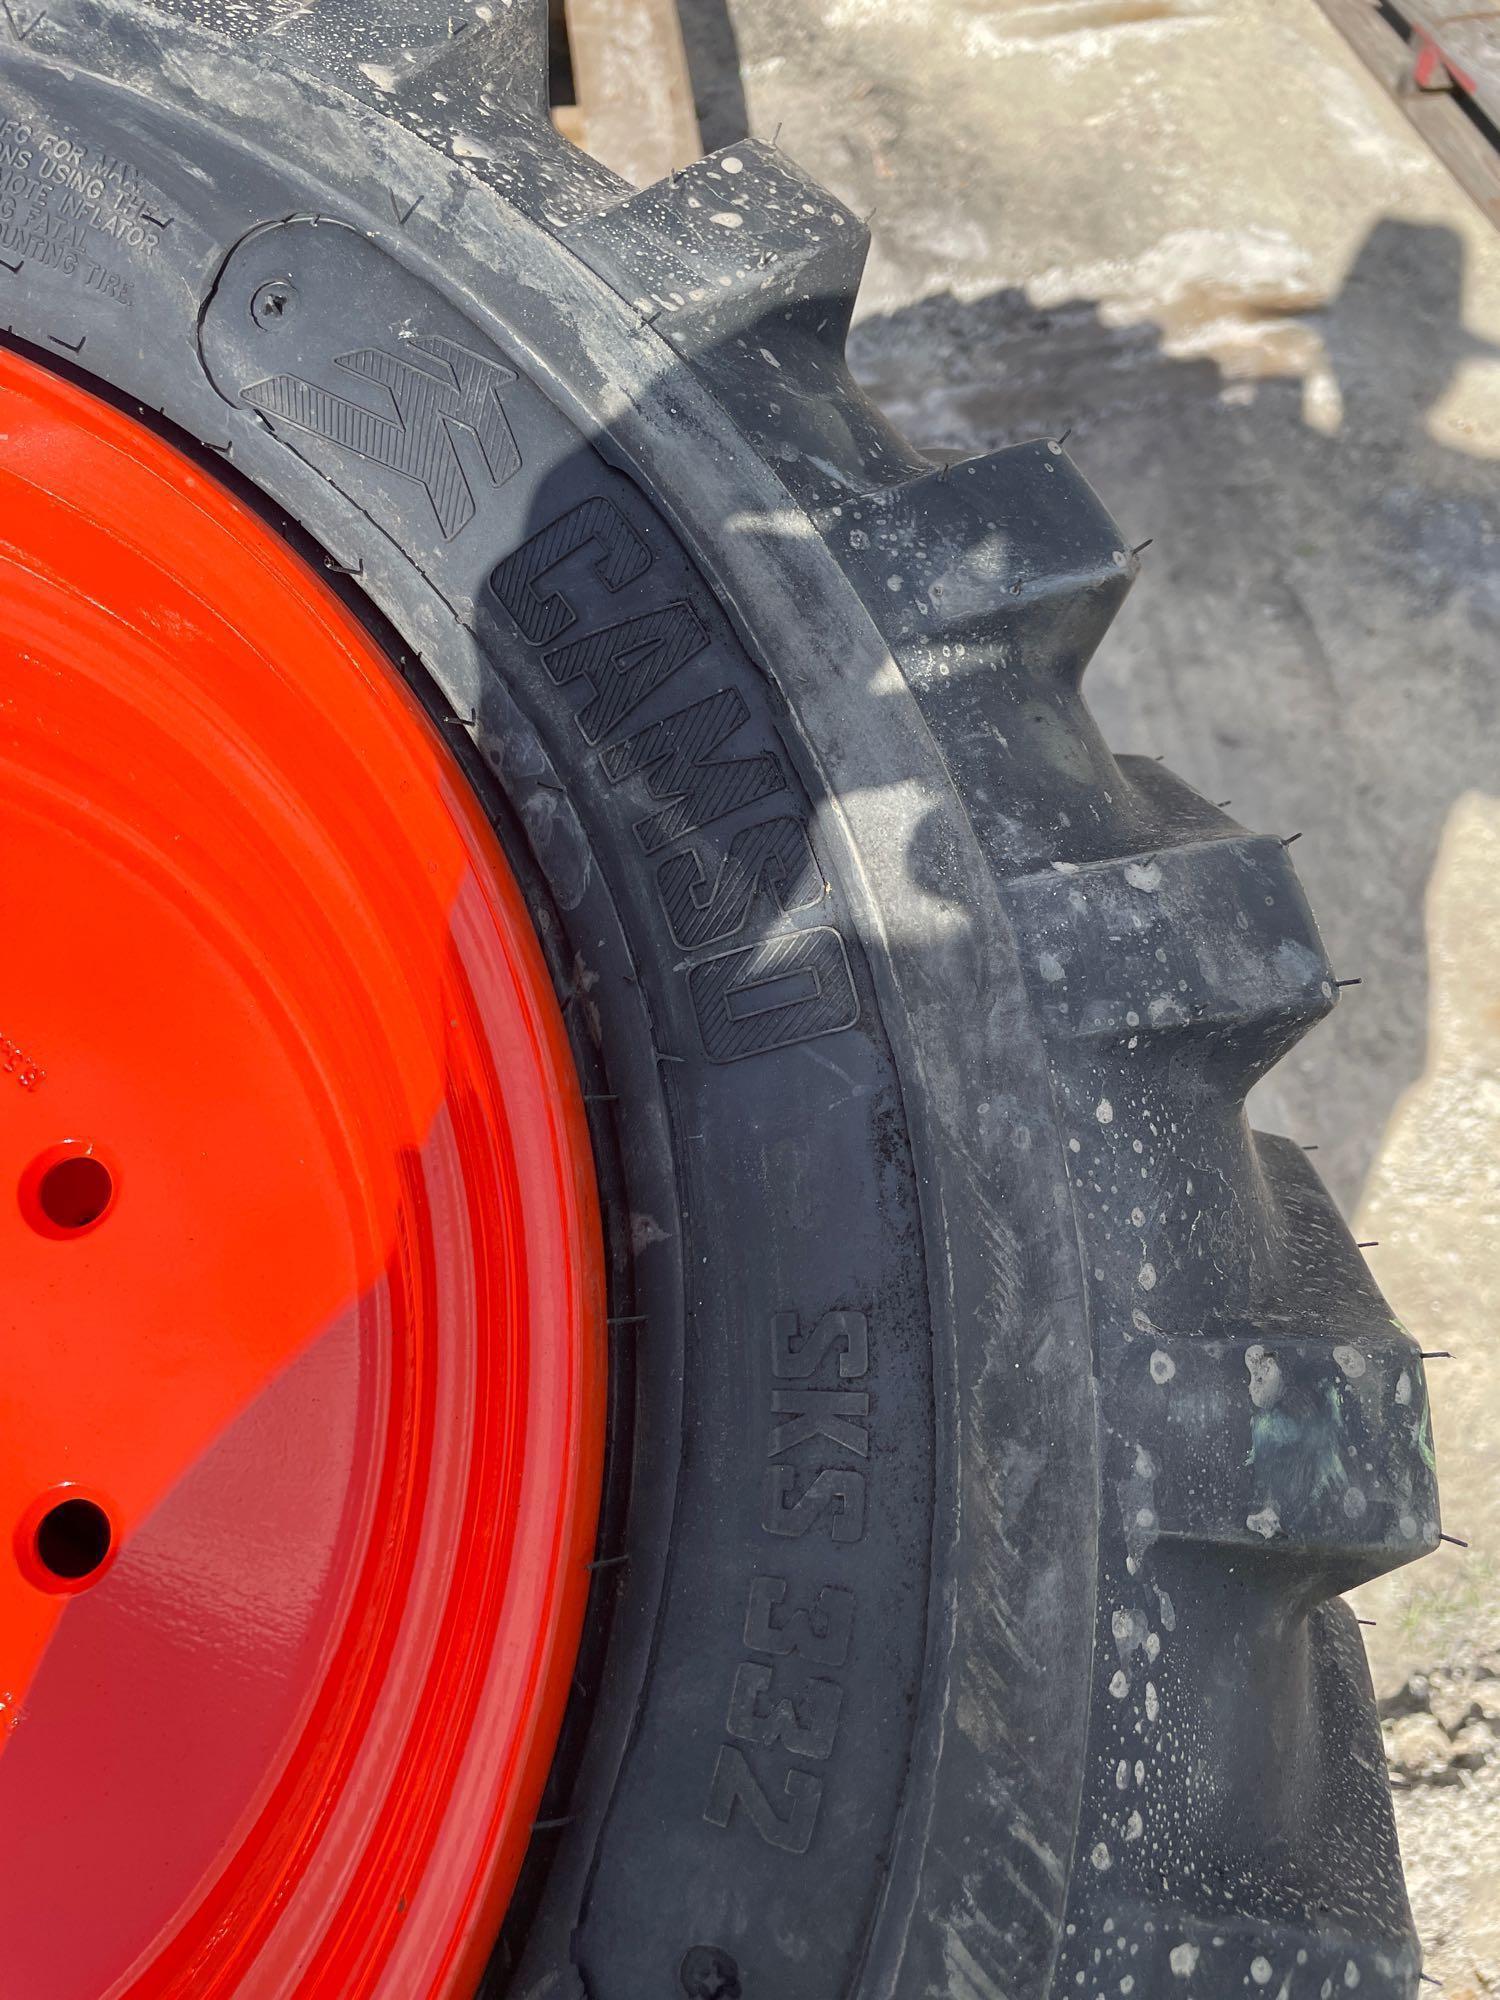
(65, 1541)
(68, 1189)
(73, 1540)
(303, 1447)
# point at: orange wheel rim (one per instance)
(302, 1426)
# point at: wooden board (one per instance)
(634, 109)
(1448, 129)
(1469, 39)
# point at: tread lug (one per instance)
(1301, 1451)
(1207, 948)
(741, 241)
(466, 88)
(1011, 556)
(1236, 1832)
(1177, 1953)
(993, 581)
(396, 53)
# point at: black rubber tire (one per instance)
(996, 1418)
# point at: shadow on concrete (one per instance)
(1316, 635)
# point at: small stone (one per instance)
(1453, 1706)
(1417, 1749)
(1413, 1695)
(1473, 1745)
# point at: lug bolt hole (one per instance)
(74, 1192)
(67, 1190)
(73, 1539)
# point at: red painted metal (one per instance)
(300, 1270)
(1439, 62)
(1433, 69)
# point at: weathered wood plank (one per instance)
(1469, 38)
(635, 98)
(1442, 121)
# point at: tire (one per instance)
(996, 1418)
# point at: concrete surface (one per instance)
(1199, 235)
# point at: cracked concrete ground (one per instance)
(1196, 232)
